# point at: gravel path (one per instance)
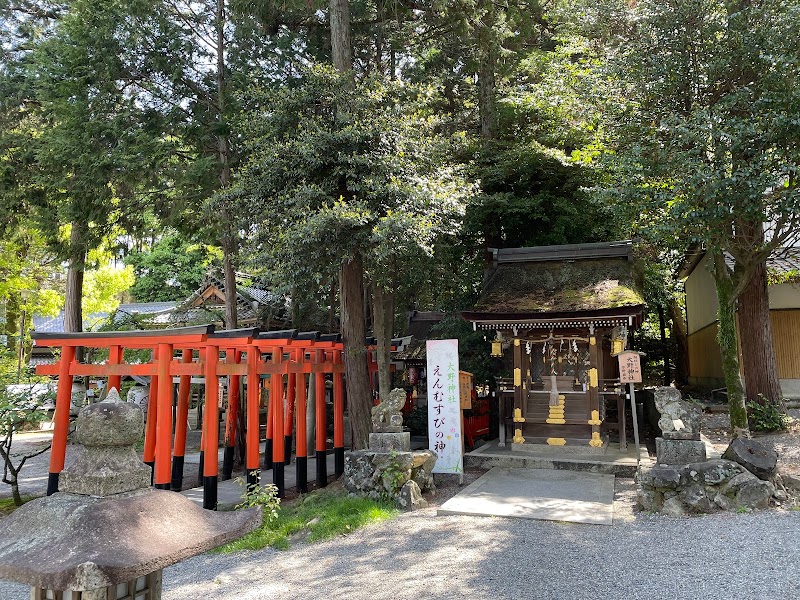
(419, 555)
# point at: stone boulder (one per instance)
(753, 456)
(384, 475)
(410, 497)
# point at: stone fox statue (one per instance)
(386, 417)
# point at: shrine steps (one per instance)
(612, 462)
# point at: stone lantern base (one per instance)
(146, 587)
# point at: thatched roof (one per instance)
(569, 286)
(589, 280)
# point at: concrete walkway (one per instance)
(543, 494)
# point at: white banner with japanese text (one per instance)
(444, 408)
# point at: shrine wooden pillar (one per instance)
(58, 449)
(301, 454)
(276, 407)
(211, 429)
(288, 425)
(593, 391)
(163, 457)
(149, 454)
(232, 356)
(269, 430)
(181, 423)
(252, 471)
(114, 358)
(338, 414)
(321, 425)
(519, 400)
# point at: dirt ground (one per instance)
(716, 426)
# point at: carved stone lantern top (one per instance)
(107, 525)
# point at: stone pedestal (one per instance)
(386, 442)
(399, 476)
(679, 452)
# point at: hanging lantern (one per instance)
(497, 348)
(413, 375)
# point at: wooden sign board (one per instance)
(465, 386)
(630, 367)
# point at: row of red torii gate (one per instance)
(279, 360)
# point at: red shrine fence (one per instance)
(278, 360)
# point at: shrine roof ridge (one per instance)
(615, 249)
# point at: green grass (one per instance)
(320, 515)
(7, 505)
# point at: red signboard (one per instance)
(630, 367)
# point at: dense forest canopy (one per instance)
(287, 139)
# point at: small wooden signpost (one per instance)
(630, 372)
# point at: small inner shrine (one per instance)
(562, 313)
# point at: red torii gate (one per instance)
(289, 355)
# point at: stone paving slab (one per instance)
(543, 494)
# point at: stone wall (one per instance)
(701, 487)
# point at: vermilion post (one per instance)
(270, 428)
(322, 442)
(338, 415)
(181, 424)
(253, 397)
(61, 428)
(201, 420)
(288, 424)
(301, 452)
(232, 356)
(276, 396)
(211, 430)
(149, 456)
(114, 358)
(163, 470)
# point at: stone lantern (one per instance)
(107, 534)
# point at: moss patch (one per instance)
(564, 286)
(7, 505)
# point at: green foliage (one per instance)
(473, 348)
(171, 270)
(417, 421)
(318, 516)
(336, 169)
(263, 496)
(393, 477)
(766, 415)
(21, 405)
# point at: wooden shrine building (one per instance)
(561, 313)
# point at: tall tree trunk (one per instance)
(758, 353)
(332, 305)
(359, 400)
(73, 300)
(487, 66)
(679, 334)
(230, 246)
(665, 350)
(383, 313)
(229, 252)
(726, 336)
(341, 42)
(351, 278)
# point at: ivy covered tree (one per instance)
(709, 146)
